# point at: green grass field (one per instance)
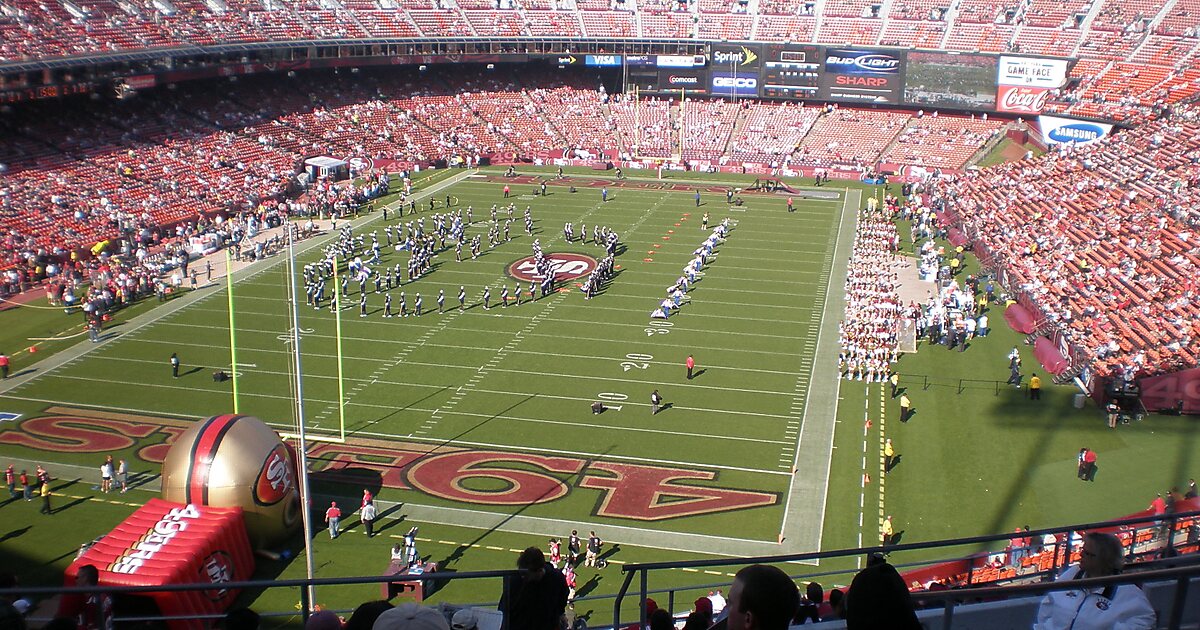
(476, 424)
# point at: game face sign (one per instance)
(626, 491)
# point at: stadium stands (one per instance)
(1101, 239)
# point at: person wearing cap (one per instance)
(539, 599)
(411, 616)
(464, 619)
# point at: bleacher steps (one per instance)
(819, 12)
(885, 10)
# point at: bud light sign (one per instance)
(1059, 130)
(1021, 100)
(728, 83)
(846, 61)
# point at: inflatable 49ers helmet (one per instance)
(237, 461)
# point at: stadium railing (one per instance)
(1143, 538)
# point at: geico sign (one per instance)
(731, 82)
(678, 80)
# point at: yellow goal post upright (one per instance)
(340, 437)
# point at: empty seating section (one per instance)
(440, 23)
(781, 7)
(784, 28)
(1109, 44)
(725, 27)
(722, 6)
(839, 31)
(1165, 51)
(945, 142)
(919, 9)
(913, 34)
(847, 136)
(553, 23)
(672, 25)
(388, 23)
(607, 24)
(981, 37)
(849, 8)
(646, 127)
(1053, 13)
(986, 11)
(577, 115)
(1115, 257)
(1182, 19)
(706, 126)
(1119, 15)
(1046, 41)
(496, 23)
(770, 134)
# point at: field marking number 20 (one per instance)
(658, 327)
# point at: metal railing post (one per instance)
(505, 593)
(305, 603)
(1177, 603)
(645, 575)
(948, 615)
(620, 598)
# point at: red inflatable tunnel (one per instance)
(171, 543)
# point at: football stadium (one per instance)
(547, 314)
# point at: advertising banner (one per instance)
(730, 84)
(1059, 130)
(742, 56)
(602, 60)
(1032, 72)
(679, 61)
(863, 75)
(675, 80)
(1029, 101)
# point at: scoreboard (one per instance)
(791, 71)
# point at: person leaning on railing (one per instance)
(1121, 606)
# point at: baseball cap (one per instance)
(464, 619)
(411, 616)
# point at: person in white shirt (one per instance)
(1117, 606)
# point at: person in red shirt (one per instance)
(1089, 462)
(691, 364)
(89, 611)
(367, 498)
(333, 516)
(3, 365)
(1159, 505)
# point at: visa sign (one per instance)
(846, 61)
(602, 60)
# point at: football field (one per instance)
(482, 417)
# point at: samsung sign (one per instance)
(846, 61)
(1059, 130)
(602, 60)
(734, 85)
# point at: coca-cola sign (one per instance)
(1021, 100)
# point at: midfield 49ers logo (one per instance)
(625, 491)
(565, 267)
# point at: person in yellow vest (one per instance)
(45, 494)
(887, 531)
(954, 263)
(1035, 387)
(889, 454)
(895, 381)
(905, 407)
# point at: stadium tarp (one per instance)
(1049, 355)
(1167, 391)
(1019, 319)
(171, 543)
